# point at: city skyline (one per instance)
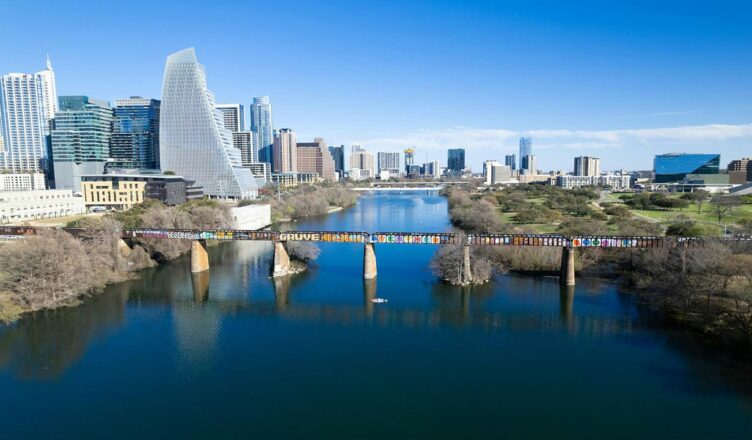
(610, 95)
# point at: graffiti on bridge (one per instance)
(435, 238)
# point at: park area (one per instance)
(592, 211)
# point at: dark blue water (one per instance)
(237, 354)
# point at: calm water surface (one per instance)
(237, 354)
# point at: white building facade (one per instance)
(193, 140)
(22, 182)
(21, 206)
(615, 181)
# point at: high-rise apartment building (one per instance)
(193, 141)
(285, 151)
(526, 149)
(233, 116)
(389, 162)
(245, 141)
(338, 155)
(587, 166)
(27, 104)
(314, 157)
(80, 139)
(362, 160)
(261, 125)
(455, 160)
(510, 160)
(135, 134)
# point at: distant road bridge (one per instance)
(200, 259)
(398, 189)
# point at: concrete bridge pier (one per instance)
(467, 271)
(199, 256)
(281, 260)
(566, 278)
(369, 262)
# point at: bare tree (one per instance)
(302, 250)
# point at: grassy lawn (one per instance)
(59, 221)
(539, 228)
(707, 216)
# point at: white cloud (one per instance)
(634, 144)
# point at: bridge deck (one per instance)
(436, 238)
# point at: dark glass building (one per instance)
(135, 134)
(674, 167)
(338, 154)
(456, 160)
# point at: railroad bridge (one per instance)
(200, 258)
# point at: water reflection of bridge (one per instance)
(452, 309)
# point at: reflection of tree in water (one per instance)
(454, 303)
(45, 344)
(715, 367)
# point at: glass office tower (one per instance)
(456, 160)
(674, 167)
(526, 149)
(135, 134)
(261, 126)
(80, 139)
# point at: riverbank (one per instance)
(54, 269)
(708, 289)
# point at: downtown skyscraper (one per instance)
(389, 162)
(193, 141)
(27, 104)
(510, 160)
(80, 139)
(338, 155)
(285, 151)
(135, 134)
(455, 160)
(261, 126)
(526, 149)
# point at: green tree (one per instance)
(697, 198)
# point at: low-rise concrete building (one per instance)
(251, 217)
(21, 206)
(122, 191)
(294, 179)
(712, 183)
(615, 181)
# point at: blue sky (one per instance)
(618, 81)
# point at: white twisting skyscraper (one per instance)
(193, 141)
